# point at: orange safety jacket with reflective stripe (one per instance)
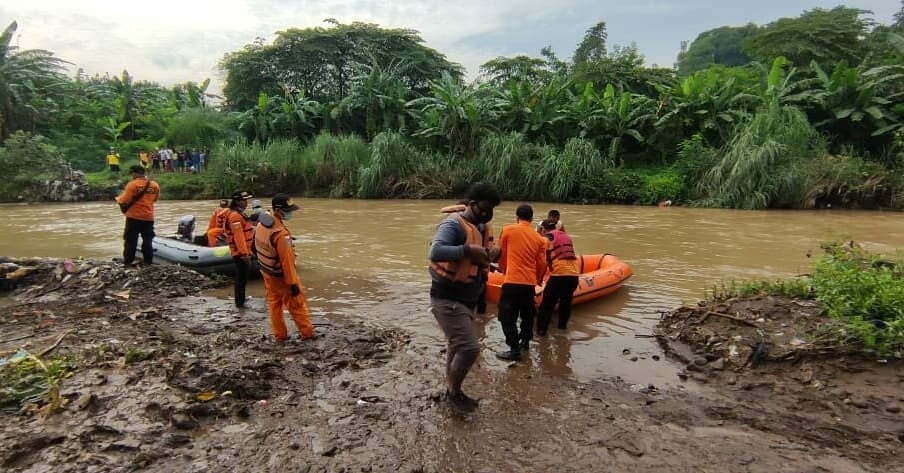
(463, 270)
(274, 249)
(239, 233)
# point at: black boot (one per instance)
(511, 355)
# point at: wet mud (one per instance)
(179, 381)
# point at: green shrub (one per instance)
(612, 186)
(851, 182)
(333, 163)
(200, 128)
(663, 185)
(561, 172)
(392, 159)
(26, 161)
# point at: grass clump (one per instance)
(137, 355)
(28, 380)
(861, 290)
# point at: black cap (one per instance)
(241, 195)
(548, 224)
(283, 202)
(136, 169)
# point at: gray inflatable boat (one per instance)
(203, 259)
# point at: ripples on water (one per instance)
(366, 259)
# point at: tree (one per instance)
(723, 46)
(593, 46)
(192, 94)
(323, 62)
(503, 70)
(378, 98)
(857, 106)
(25, 76)
(818, 35)
(899, 18)
(455, 114)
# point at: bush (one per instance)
(332, 164)
(663, 185)
(27, 160)
(200, 128)
(761, 165)
(612, 186)
(850, 181)
(560, 173)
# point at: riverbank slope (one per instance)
(154, 376)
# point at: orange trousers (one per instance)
(213, 235)
(279, 295)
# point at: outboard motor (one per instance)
(186, 227)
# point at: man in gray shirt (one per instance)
(460, 252)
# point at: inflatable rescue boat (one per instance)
(601, 275)
(203, 259)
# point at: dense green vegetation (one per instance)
(801, 112)
(863, 291)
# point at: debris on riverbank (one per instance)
(151, 382)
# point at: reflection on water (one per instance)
(366, 259)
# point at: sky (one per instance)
(171, 41)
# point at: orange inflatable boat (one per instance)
(600, 275)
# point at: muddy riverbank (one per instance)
(179, 382)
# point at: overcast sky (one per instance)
(173, 41)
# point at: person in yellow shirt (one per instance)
(113, 161)
(563, 279)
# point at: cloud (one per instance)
(172, 41)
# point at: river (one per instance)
(365, 259)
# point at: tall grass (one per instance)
(392, 159)
(559, 172)
(334, 163)
(506, 162)
(762, 163)
(258, 168)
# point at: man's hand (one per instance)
(478, 255)
(295, 290)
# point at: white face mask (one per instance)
(287, 215)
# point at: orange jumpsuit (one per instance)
(215, 231)
(276, 256)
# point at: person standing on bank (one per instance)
(240, 235)
(137, 203)
(459, 252)
(523, 260)
(276, 256)
(563, 280)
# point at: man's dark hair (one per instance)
(483, 192)
(137, 170)
(554, 213)
(525, 212)
(548, 225)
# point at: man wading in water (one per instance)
(461, 248)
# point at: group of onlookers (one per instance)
(185, 160)
(165, 160)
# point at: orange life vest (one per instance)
(464, 271)
(265, 239)
(247, 230)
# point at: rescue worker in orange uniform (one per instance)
(137, 203)
(487, 230)
(276, 256)
(458, 257)
(215, 231)
(240, 235)
(523, 260)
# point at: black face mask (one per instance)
(483, 215)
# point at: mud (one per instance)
(169, 381)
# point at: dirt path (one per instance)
(362, 398)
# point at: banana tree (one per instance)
(24, 75)
(533, 109)
(709, 102)
(379, 96)
(259, 122)
(297, 115)
(858, 105)
(113, 130)
(454, 113)
(622, 114)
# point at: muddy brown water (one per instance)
(366, 260)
